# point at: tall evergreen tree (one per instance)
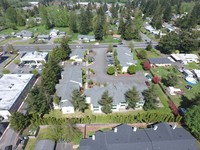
(73, 22)
(132, 97)
(106, 103)
(11, 15)
(167, 12)
(98, 32)
(84, 26)
(121, 27)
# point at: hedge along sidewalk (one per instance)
(11, 60)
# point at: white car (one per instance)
(96, 44)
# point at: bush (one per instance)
(146, 65)
(5, 71)
(149, 47)
(142, 54)
(111, 70)
(16, 61)
(90, 82)
(131, 69)
(156, 79)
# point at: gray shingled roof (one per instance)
(24, 33)
(71, 78)
(89, 37)
(64, 146)
(125, 56)
(164, 138)
(159, 61)
(78, 52)
(45, 145)
(116, 91)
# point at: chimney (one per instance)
(155, 127)
(174, 126)
(134, 129)
(93, 137)
(115, 130)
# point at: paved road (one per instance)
(49, 47)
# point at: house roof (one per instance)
(116, 91)
(125, 56)
(43, 36)
(71, 80)
(159, 61)
(63, 146)
(184, 57)
(124, 137)
(197, 72)
(78, 52)
(24, 33)
(45, 144)
(89, 37)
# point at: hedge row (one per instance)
(111, 118)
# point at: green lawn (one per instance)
(151, 54)
(163, 71)
(109, 39)
(193, 65)
(31, 144)
(8, 40)
(139, 66)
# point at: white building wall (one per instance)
(67, 110)
(5, 113)
(124, 68)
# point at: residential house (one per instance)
(125, 57)
(157, 62)
(62, 34)
(64, 146)
(45, 145)
(77, 55)
(161, 136)
(43, 37)
(4, 36)
(151, 29)
(187, 73)
(71, 80)
(24, 34)
(197, 74)
(168, 27)
(34, 58)
(116, 91)
(185, 58)
(86, 38)
(54, 32)
(116, 36)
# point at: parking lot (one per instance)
(100, 66)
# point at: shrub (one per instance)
(146, 65)
(156, 79)
(90, 82)
(149, 47)
(111, 70)
(5, 71)
(142, 54)
(131, 69)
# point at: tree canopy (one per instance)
(106, 103)
(132, 97)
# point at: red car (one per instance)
(147, 83)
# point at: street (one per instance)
(49, 47)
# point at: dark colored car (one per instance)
(147, 83)
(189, 87)
(114, 45)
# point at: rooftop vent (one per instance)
(115, 130)
(155, 127)
(134, 129)
(93, 137)
(174, 126)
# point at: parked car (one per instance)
(20, 71)
(147, 83)
(114, 45)
(148, 77)
(189, 87)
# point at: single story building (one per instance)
(24, 34)
(157, 62)
(61, 34)
(116, 36)
(185, 58)
(116, 91)
(43, 37)
(71, 80)
(54, 32)
(77, 55)
(160, 136)
(86, 38)
(125, 57)
(34, 58)
(197, 74)
(187, 73)
(13, 89)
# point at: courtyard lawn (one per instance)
(150, 54)
(138, 66)
(192, 65)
